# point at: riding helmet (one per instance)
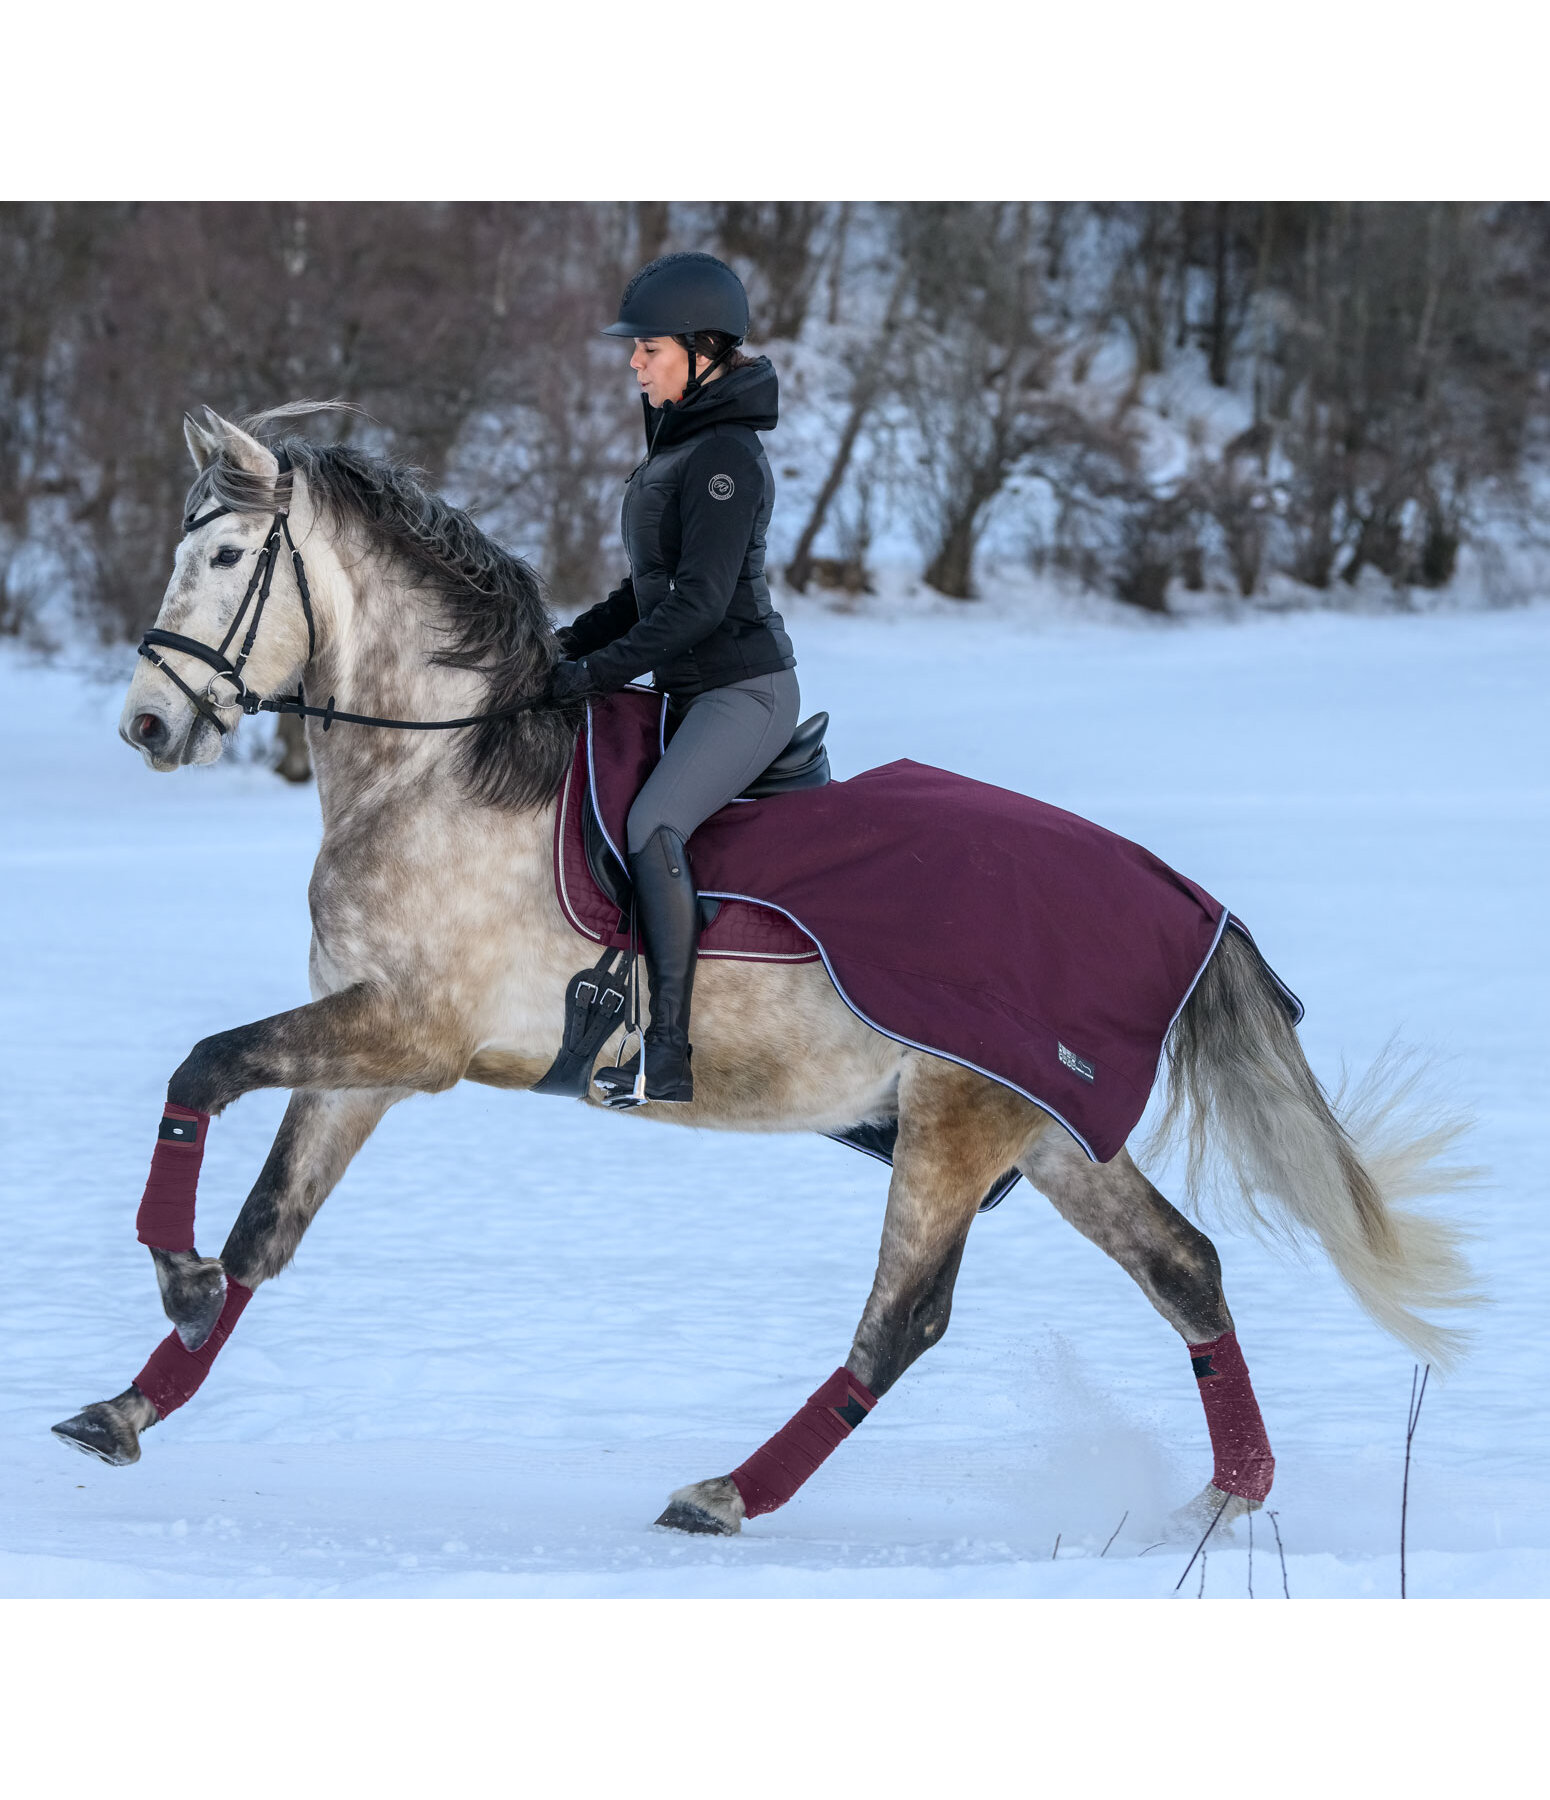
(678, 295)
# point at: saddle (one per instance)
(804, 763)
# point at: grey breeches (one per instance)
(728, 736)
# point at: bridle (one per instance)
(230, 669)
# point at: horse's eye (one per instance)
(227, 557)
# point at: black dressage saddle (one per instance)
(804, 763)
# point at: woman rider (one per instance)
(695, 610)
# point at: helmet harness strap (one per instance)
(696, 381)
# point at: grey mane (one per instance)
(495, 619)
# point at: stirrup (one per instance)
(617, 1095)
(611, 1082)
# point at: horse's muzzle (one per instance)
(146, 731)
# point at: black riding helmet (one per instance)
(679, 295)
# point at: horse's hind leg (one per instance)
(318, 1136)
(957, 1133)
(1177, 1268)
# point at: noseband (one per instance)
(227, 669)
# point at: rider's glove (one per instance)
(570, 681)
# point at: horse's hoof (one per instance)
(193, 1291)
(710, 1508)
(95, 1431)
(681, 1517)
(110, 1429)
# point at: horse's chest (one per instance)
(430, 894)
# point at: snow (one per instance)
(516, 1326)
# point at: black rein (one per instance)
(263, 577)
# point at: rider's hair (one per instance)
(709, 344)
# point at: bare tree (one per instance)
(975, 355)
(868, 382)
(780, 243)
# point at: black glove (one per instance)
(566, 639)
(569, 681)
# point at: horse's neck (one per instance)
(377, 641)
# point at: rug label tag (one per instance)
(1078, 1065)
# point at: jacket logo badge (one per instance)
(722, 487)
(1078, 1065)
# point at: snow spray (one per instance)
(1244, 1465)
(778, 1468)
(174, 1374)
(166, 1217)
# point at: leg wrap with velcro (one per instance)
(174, 1374)
(166, 1217)
(1244, 1464)
(777, 1469)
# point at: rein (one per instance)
(228, 670)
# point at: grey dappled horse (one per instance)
(440, 954)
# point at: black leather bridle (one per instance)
(230, 669)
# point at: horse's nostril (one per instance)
(148, 728)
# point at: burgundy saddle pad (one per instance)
(951, 915)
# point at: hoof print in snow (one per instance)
(681, 1516)
(101, 1433)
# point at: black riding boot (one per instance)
(667, 908)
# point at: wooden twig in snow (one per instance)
(1202, 1544)
(1412, 1419)
(1281, 1553)
(1115, 1533)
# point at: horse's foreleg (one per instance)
(318, 1136)
(957, 1133)
(359, 1038)
(1176, 1266)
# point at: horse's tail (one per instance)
(1332, 1169)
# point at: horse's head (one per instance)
(182, 704)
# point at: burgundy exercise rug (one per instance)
(955, 916)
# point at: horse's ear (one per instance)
(204, 446)
(241, 450)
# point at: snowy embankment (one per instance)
(516, 1326)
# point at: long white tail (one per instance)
(1336, 1170)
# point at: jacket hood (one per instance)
(746, 396)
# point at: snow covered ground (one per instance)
(515, 1327)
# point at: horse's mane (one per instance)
(495, 619)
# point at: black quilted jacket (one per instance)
(695, 607)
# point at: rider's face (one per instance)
(661, 367)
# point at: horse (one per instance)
(440, 954)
